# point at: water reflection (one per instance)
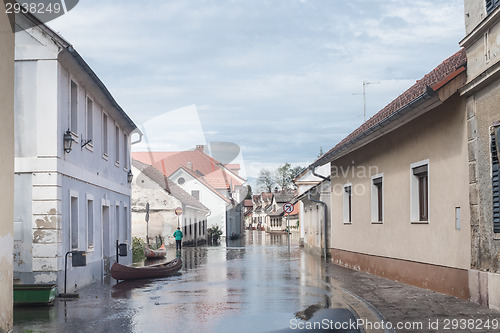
(259, 287)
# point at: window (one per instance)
(74, 222)
(419, 192)
(117, 223)
(347, 203)
(90, 223)
(104, 134)
(377, 210)
(181, 181)
(74, 107)
(125, 224)
(491, 5)
(495, 177)
(90, 116)
(196, 194)
(117, 144)
(125, 150)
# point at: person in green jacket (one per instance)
(178, 238)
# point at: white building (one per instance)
(151, 187)
(66, 200)
(305, 181)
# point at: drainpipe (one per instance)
(312, 168)
(325, 220)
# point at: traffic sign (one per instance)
(288, 208)
(178, 211)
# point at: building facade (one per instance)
(482, 93)
(6, 167)
(399, 187)
(217, 186)
(151, 187)
(66, 199)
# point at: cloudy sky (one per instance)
(280, 78)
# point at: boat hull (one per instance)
(122, 272)
(155, 254)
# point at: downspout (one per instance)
(312, 168)
(325, 219)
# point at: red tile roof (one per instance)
(438, 77)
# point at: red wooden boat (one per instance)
(161, 252)
(122, 272)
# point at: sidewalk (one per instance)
(420, 309)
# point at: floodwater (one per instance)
(262, 283)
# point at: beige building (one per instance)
(399, 187)
(6, 168)
(482, 94)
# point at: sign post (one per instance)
(178, 212)
(288, 208)
(147, 223)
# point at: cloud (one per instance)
(276, 77)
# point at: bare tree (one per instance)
(265, 180)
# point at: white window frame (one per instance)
(72, 215)
(345, 204)
(414, 194)
(90, 235)
(89, 123)
(73, 107)
(374, 199)
(105, 135)
(117, 144)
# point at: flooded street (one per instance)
(259, 286)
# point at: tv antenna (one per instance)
(365, 83)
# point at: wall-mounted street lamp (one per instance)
(130, 176)
(68, 141)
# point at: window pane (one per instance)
(74, 223)
(74, 107)
(90, 116)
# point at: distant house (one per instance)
(261, 206)
(482, 94)
(74, 198)
(399, 187)
(151, 187)
(217, 186)
(6, 168)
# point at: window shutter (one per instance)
(495, 182)
(491, 5)
(420, 170)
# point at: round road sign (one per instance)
(178, 211)
(288, 208)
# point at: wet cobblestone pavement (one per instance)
(263, 286)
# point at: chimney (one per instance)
(200, 147)
(189, 165)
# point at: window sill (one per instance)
(377, 222)
(496, 236)
(90, 147)
(90, 249)
(105, 156)
(117, 164)
(347, 223)
(419, 222)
